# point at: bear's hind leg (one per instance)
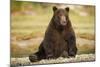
(33, 57)
(38, 55)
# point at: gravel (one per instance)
(24, 61)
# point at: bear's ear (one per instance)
(54, 8)
(67, 9)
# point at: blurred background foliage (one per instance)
(29, 21)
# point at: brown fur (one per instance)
(59, 39)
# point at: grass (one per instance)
(32, 25)
(17, 51)
(86, 49)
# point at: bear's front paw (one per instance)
(50, 56)
(72, 54)
(65, 54)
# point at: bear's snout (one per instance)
(63, 20)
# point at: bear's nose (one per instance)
(64, 22)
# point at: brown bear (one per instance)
(59, 39)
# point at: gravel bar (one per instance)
(24, 61)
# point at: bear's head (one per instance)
(61, 16)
